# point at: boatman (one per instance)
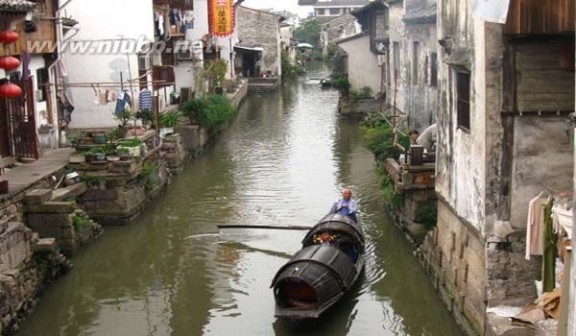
(346, 205)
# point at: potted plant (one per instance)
(168, 121)
(146, 117)
(123, 154)
(215, 73)
(123, 119)
(130, 146)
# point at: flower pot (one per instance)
(100, 138)
(112, 158)
(77, 158)
(99, 157)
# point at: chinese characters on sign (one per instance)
(221, 17)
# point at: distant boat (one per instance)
(318, 275)
(304, 45)
(327, 81)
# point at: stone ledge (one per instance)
(44, 245)
(51, 207)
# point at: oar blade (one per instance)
(266, 227)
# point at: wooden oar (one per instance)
(289, 227)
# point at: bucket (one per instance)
(416, 154)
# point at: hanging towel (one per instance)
(111, 96)
(103, 97)
(535, 227)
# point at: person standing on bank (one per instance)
(346, 205)
(414, 134)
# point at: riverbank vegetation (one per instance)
(211, 112)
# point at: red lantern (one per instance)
(10, 90)
(9, 63)
(8, 36)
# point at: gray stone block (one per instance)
(51, 207)
(38, 196)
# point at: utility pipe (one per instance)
(51, 76)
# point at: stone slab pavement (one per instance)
(25, 174)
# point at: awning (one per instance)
(16, 5)
(255, 47)
(304, 45)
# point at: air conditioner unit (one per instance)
(185, 55)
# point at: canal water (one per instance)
(281, 162)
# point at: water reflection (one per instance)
(281, 162)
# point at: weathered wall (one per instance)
(543, 147)
(363, 69)
(486, 175)
(103, 66)
(572, 284)
(454, 257)
(542, 162)
(259, 27)
(421, 96)
(338, 28)
(461, 154)
(397, 79)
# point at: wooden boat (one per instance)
(320, 273)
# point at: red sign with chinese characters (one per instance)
(221, 17)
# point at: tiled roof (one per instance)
(421, 15)
(339, 20)
(16, 5)
(341, 3)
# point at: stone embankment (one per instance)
(55, 213)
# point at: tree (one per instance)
(308, 32)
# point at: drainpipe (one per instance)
(51, 76)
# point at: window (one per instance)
(320, 11)
(41, 79)
(463, 98)
(415, 65)
(396, 60)
(433, 69)
(426, 69)
(334, 11)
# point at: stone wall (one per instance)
(21, 276)
(261, 27)
(453, 255)
(358, 109)
(70, 226)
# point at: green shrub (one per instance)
(170, 119)
(147, 176)
(192, 109)
(80, 221)
(378, 136)
(217, 111)
(427, 215)
(146, 116)
(341, 83)
(391, 196)
(364, 93)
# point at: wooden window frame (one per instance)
(433, 69)
(42, 79)
(462, 82)
(415, 61)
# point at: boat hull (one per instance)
(320, 274)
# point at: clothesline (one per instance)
(103, 84)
